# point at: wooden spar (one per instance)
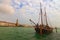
(32, 21)
(46, 16)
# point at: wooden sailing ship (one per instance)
(42, 29)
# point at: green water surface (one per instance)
(20, 33)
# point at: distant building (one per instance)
(4, 23)
(17, 22)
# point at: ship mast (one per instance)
(41, 25)
(41, 14)
(46, 17)
(39, 18)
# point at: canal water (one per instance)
(20, 33)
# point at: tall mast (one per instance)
(41, 14)
(46, 16)
(39, 18)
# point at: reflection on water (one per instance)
(52, 36)
(20, 33)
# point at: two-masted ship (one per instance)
(42, 29)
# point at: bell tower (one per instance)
(17, 22)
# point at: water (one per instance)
(20, 33)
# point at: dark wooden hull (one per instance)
(44, 30)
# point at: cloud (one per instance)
(4, 8)
(5, 1)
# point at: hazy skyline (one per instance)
(24, 10)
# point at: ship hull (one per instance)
(44, 30)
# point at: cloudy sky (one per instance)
(24, 10)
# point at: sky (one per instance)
(24, 10)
